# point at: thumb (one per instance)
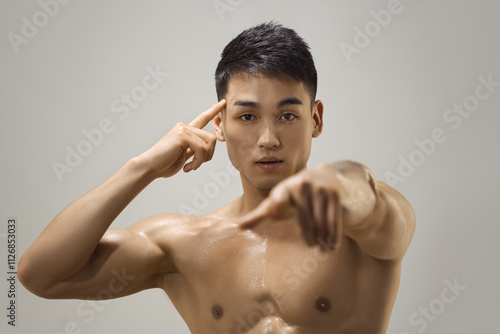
(266, 208)
(272, 206)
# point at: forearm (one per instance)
(70, 239)
(377, 217)
(358, 195)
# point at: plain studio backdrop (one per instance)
(411, 89)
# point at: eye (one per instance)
(247, 117)
(288, 116)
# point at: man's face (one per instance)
(268, 127)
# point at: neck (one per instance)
(251, 198)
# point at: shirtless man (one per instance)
(307, 251)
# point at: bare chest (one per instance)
(241, 281)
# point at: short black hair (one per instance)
(268, 49)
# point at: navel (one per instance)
(217, 311)
(323, 304)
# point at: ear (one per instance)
(217, 124)
(317, 117)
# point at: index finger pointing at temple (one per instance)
(205, 117)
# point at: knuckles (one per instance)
(311, 185)
(181, 125)
(181, 128)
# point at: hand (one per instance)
(312, 196)
(183, 141)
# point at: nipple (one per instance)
(217, 311)
(323, 304)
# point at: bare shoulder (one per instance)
(398, 205)
(388, 230)
(165, 228)
(158, 223)
(399, 213)
(172, 232)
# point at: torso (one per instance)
(268, 280)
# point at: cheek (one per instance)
(299, 143)
(238, 146)
(298, 136)
(238, 140)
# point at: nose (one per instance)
(268, 137)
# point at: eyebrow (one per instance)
(249, 104)
(290, 100)
(282, 103)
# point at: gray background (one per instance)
(393, 92)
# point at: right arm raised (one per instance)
(77, 256)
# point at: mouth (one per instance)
(269, 163)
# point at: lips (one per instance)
(269, 163)
(267, 160)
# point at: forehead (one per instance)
(265, 89)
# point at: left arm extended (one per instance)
(376, 216)
(343, 198)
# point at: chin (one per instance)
(263, 180)
(267, 183)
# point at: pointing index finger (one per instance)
(202, 119)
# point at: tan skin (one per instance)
(301, 251)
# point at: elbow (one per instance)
(32, 280)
